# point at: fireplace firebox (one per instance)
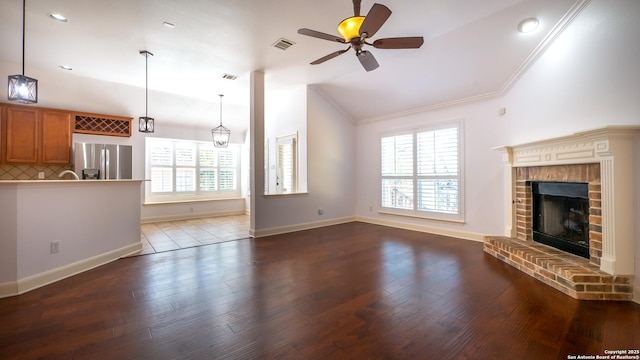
(561, 216)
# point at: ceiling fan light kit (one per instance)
(356, 30)
(349, 28)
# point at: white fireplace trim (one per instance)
(612, 148)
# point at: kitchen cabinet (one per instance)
(56, 137)
(43, 136)
(22, 135)
(37, 136)
(3, 114)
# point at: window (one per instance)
(287, 165)
(421, 172)
(182, 169)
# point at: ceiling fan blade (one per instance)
(374, 19)
(330, 56)
(320, 35)
(399, 43)
(367, 60)
(356, 7)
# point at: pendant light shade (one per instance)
(22, 88)
(220, 133)
(145, 123)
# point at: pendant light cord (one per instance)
(220, 108)
(146, 85)
(24, 6)
(146, 55)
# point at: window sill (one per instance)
(425, 217)
(188, 201)
(296, 194)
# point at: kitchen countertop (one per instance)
(68, 181)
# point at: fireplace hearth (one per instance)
(561, 216)
(544, 230)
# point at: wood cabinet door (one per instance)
(22, 135)
(3, 132)
(56, 137)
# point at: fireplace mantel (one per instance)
(612, 148)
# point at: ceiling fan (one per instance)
(356, 30)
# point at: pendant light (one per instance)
(220, 133)
(145, 124)
(22, 88)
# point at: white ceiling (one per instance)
(472, 49)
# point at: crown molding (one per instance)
(564, 22)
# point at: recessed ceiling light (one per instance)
(528, 25)
(66, 67)
(168, 24)
(58, 17)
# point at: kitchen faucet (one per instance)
(69, 172)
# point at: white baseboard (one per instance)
(424, 228)
(300, 227)
(152, 219)
(8, 289)
(35, 281)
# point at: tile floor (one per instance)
(179, 234)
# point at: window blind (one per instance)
(179, 168)
(286, 165)
(421, 171)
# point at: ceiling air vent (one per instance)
(229, 76)
(283, 44)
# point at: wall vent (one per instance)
(229, 76)
(283, 44)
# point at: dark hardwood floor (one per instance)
(352, 291)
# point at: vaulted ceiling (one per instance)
(472, 49)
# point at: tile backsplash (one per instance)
(30, 172)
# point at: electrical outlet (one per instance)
(55, 247)
(41, 175)
(320, 211)
(370, 208)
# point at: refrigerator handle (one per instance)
(107, 165)
(103, 156)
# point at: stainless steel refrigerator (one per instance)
(102, 161)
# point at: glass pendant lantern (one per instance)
(22, 88)
(220, 133)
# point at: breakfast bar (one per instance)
(52, 229)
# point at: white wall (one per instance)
(588, 78)
(8, 234)
(286, 114)
(95, 222)
(482, 174)
(331, 175)
(87, 219)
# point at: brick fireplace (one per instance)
(601, 158)
(577, 173)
